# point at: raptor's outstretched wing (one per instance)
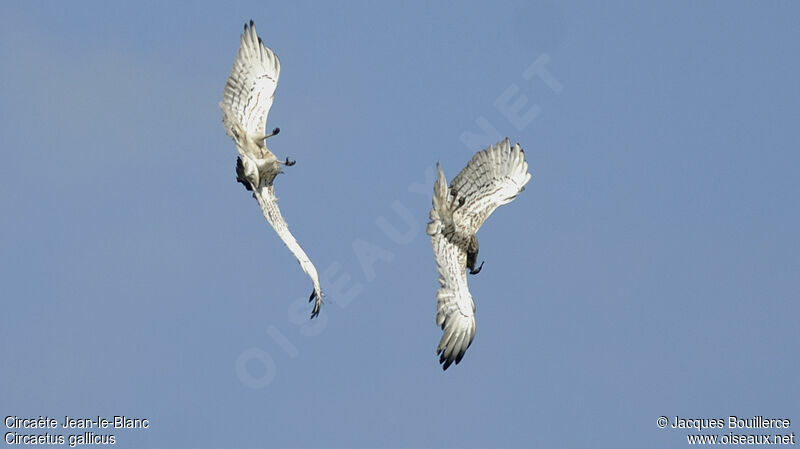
(492, 178)
(246, 101)
(455, 310)
(251, 85)
(269, 207)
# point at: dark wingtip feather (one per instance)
(446, 364)
(443, 360)
(315, 310)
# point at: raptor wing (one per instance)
(492, 178)
(269, 207)
(455, 309)
(250, 89)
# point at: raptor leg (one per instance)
(472, 255)
(273, 133)
(478, 270)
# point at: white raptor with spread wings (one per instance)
(245, 104)
(492, 178)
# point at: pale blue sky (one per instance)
(650, 267)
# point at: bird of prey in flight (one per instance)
(494, 176)
(245, 105)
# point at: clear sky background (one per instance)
(649, 268)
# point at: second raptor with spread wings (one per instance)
(245, 105)
(493, 177)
